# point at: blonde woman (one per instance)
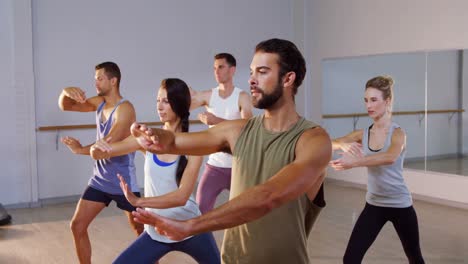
(381, 148)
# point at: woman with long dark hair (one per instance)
(169, 183)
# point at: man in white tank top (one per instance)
(225, 102)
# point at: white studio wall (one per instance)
(63, 40)
(18, 140)
(149, 40)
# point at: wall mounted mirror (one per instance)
(428, 103)
(445, 89)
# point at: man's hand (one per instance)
(152, 140)
(347, 161)
(208, 118)
(73, 144)
(131, 197)
(352, 148)
(75, 93)
(352, 152)
(100, 149)
(173, 229)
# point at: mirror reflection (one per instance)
(428, 103)
(444, 136)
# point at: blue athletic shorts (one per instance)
(95, 195)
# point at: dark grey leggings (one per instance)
(369, 224)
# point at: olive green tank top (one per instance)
(281, 235)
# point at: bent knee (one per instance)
(78, 226)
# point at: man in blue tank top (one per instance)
(114, 116)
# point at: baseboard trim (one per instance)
(45, 202)
(418, 197)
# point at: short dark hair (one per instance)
(111, 70)
(228, 57)
(290, 58)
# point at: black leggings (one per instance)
(369, 224)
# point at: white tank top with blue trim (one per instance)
(160, 179)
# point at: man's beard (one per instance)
(268, 100)
(102, 93)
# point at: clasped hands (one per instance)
(350, 155)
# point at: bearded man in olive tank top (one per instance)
(279, 162)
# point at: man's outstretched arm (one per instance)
(75, 146)
(313, 152)
(221, 137)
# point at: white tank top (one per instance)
(226, 108)
(160, 178)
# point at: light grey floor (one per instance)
(41, 235)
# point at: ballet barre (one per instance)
(57, 129)
(421, 114)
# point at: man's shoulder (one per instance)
(315, 131)
(125, 108)
(126, 102)
(304, 125)
(312, 131)
(242, 93)
(309, 123)
(206, 95)
(314, 145)
(235, 123)
(125, 105)
(95, 101)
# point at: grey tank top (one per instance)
(385, 184)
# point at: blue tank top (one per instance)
(385, 184)
(105, 170)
